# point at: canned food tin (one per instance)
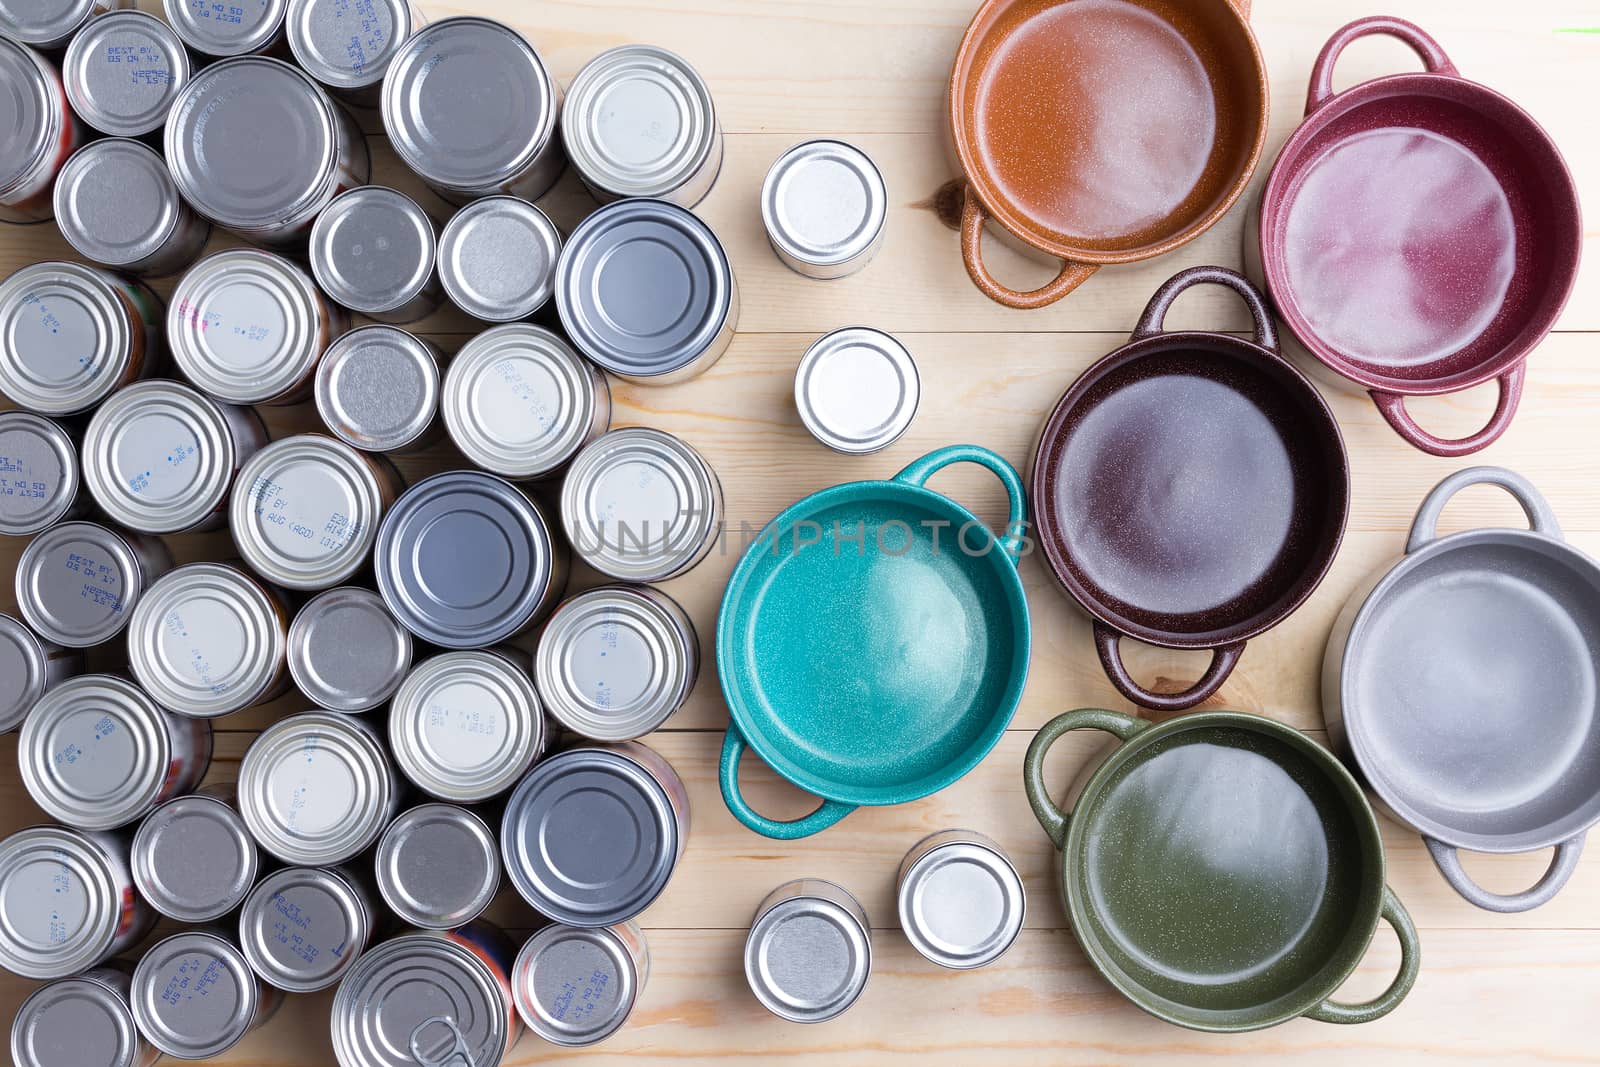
(123, 72)
(625, 795)
(646, 291)
(857, 390)
(347, 652)
(809, 952)
(434, 110)
(193, 857)
(208, 639)
(497, 259)
(194, 996)
(824, 204)
(639, 121)
(78, 583)
(377, 389)
(39, 475)
(227, 29)
(317, 789)
(38, 131)
(67, 902)
(80, 1022)
(303, 928)
(257, 147)
(249, 327)
(72, 335)
(348, 46)
(520, 403)
(305, 510)
(960, 898)
(438, 866)
(575, 986)
(159, 457)
(466, 560)
(116, 204)
(51, 24)
(614, 663)
(373, 251)
(641, 505)
(29, 668)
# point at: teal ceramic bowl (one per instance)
(873, 643)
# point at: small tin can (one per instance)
(645, 290)
(824, 204)
(222, 28)
(373, 250)
(39, 474)
(123, 72)
(249, 327)
(615, 662)
(193, 857)
(78, 583)
(348, 46)
(29, 668)
(960, 898)
(209, 639)
(438, 866)
(38, 131)
(809, 952)
(467, 560)
(347, 653)
(520, 403)
(71, 335)
(625, 795)
(303, 928)
(377, 389)
(194, 995)
(159, 457)
(97, 753)
(641, 505)
(51, 24)
(434, 110)
(317, 789)
(497, 259)
(576, 986)
(81, 1022)
(257, 147)
(67, 902)
(639, 121)
(857, 390)
(117, 205)
(305, 510)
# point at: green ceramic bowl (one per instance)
(873, 643)
(1223, 871)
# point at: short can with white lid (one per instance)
(373, 250)
(857, 390)
(576, 986)
(348, 46)
(219, 30)
(38, 132)
(51, 24)
(520, 403)
(347, 652)
(195, 997)
(84, 1021)
(809, 952)
(377, 389)
(824, 204)
(40, 479)
(497, 259)
(960, 899)
(193, 857)
(30, 667)
(303, 928)
(123, 71)
(438, 866)
(117, 205)
(78, 583)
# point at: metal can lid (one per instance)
(519, 402)
(305, 511)
(316, 788)
(824, 203)
(123, 71)
(497, 258)
(76, 1022)
(644, 287)
(344, 45)
(60, 902)
(24, 670)
(249, 27)
(64, 336)
(194, 859)
(433, 103)
(115, 201)
(303, 928)
(962, 903)
(346, 652)
(39, 474)
(464, 559)
(206, 640)
(30, 111)
(45, 23)
(194, 996)
(575, 986)
(638, 121)
(373, 249)
(639, 504)
(78, 584)
(377, 388)
(857, 390)
(438, 866)
(808, 957)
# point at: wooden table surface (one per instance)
(1493, 989)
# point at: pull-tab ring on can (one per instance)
(458, 1055)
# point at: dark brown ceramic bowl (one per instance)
(1190, 490)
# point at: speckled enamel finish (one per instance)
(875, 671)
(1223, 871)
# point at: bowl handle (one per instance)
(830, 811)
(1051, 817)
(1332, 1011)
(972, 219)
(1434, 61)
(1108, 643)
(1425, 528)
(1392, 406)
(1154, 319)
(1562, 864)
(918, 473)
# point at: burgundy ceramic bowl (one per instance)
(1190, 490)
(1420, 234)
